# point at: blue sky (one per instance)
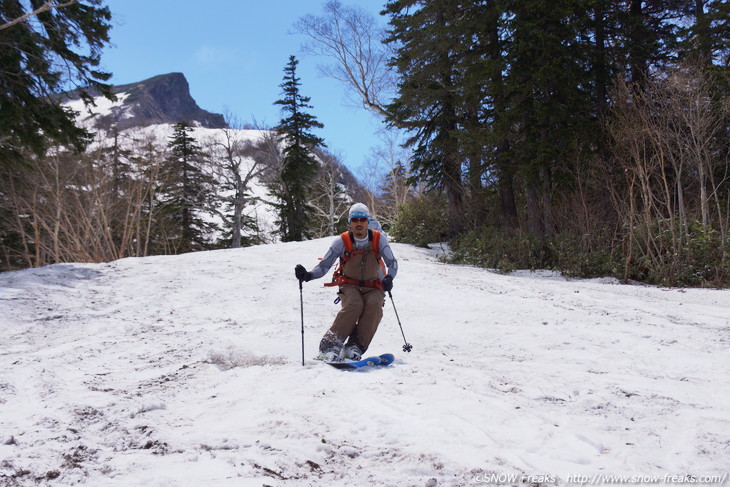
(233, 53)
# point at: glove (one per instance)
(302, 273)
(387, 283)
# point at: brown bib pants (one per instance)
(362, 306)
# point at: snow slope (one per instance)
(186, 371)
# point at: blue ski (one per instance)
(384, 359)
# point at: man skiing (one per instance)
(362, 282)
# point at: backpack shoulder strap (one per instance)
(376, 249)
(347, 239)
(375, 238)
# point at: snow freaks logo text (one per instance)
(514, 478)
(598, 479)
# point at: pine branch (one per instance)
(43, 8)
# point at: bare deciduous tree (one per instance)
(234, 162)
(668, 136)
(351, 38)
(269, 152)
(392, 186)
(70, 209)
(330, 201)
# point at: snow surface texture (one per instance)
(186, 371)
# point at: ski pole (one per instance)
(407, 347)
(301, 307)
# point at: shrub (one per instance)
(421, 221)
(700, 260)
(507, 251)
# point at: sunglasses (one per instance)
(358, 220)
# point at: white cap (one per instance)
(359, 210)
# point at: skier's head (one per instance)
(359, 214)
(359, 210)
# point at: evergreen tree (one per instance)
(485, 138)
(707, 36)
(645, 34)
(550, 103)
(299, 166)
(428, 49)
(184, 195)
(40, 57)
(718, 32)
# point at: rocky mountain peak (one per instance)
(161, 99)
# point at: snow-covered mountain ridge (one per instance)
(186, 370)
(161, 99)
(139, 124)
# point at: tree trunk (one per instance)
(601, 60)
(238, 206)
(702, 33)
(548, 225)
(534, 224)
(508, 208)
(637, 38)
(455, 196)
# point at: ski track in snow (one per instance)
(186, 370)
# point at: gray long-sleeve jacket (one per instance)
(337, 250)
